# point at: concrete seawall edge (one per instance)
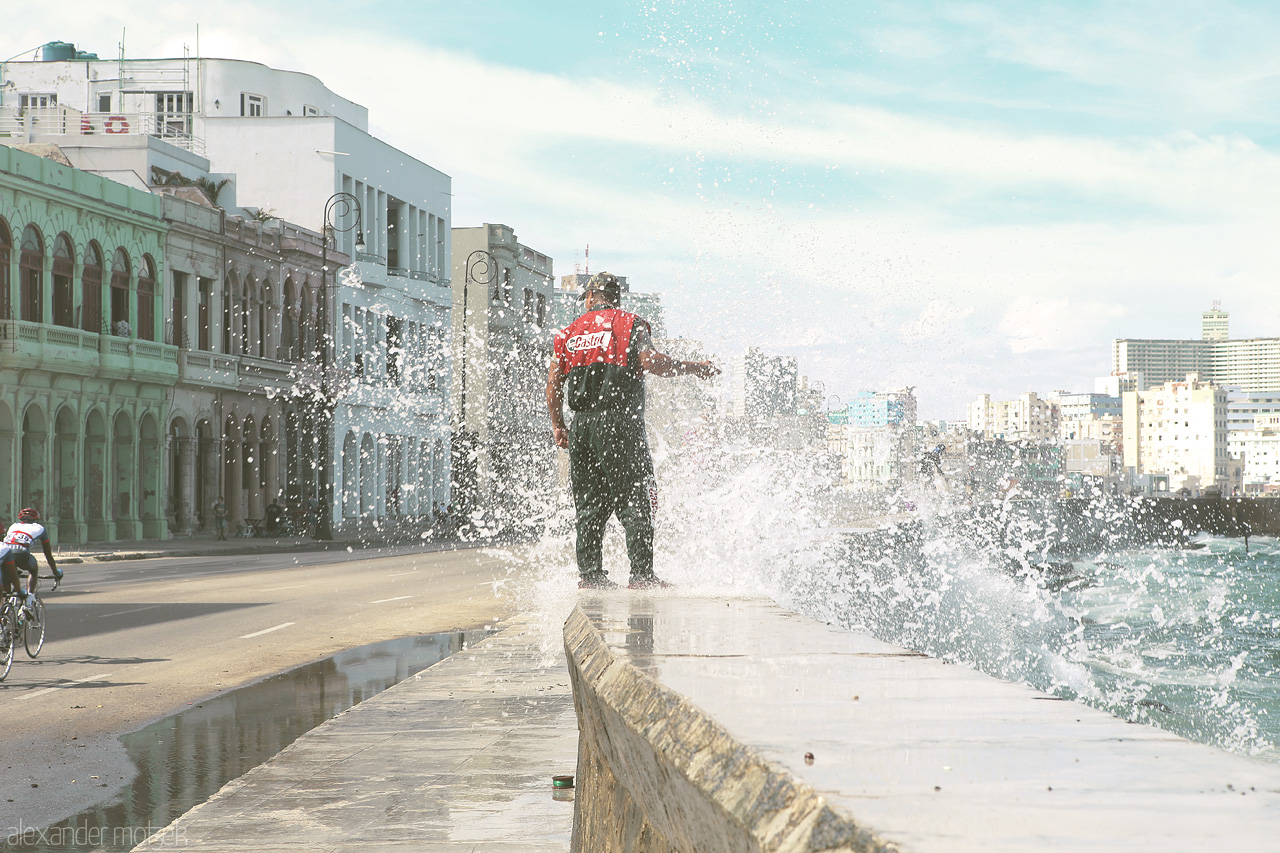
(656, 773)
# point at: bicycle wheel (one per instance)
(7, 641)
(33, 636)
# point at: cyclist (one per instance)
(15, 554)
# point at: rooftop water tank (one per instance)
(84, 55)
(58, 51)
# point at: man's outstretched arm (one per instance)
(555, 403)
(661, 364)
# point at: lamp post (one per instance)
(337, 209)
(481, 268)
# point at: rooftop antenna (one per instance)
(1217, 305)
(588, 261)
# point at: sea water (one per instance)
(1187, 639)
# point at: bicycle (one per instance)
(29, 624)
(8, 636)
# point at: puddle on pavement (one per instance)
(185, 759)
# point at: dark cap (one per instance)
(605, 283)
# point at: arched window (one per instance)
(147, 299)
(120, 324)
(31, 270)
(263, 295)
(306, 324)
(64, 310)
(245, 346)
(228, 312)
(289, 321)
(6, 253)
(91, 287)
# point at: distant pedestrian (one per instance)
(313, 511)
(274, 514)
(598, 368)
(220, 518)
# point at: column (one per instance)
(184, 515)
(253, 475)
(208, 462)
(232, 485)
(271, 460)
(95, 485)
(124, 477)
(8, 508)
(152, 523)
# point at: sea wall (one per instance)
(657, 774)
(1069, 527)
(717, 725)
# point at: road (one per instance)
(132, 641)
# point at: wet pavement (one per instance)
(184, 759)
(927, 755)
(459, 757)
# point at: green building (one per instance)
(85, 374)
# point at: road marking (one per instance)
(278, 588)
(398, 574)
(134, 610)
(63, 686)
(385, 600)
(267, 630)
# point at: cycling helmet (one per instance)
(29, 514)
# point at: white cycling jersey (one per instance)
(23, 534)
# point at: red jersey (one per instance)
(600, 354)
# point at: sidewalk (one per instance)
(458, 758)
(207, 546)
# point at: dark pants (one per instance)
(611, 473)
(10, 564)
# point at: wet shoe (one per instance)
(596, 581)
(650, 582)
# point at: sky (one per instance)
(961, 197)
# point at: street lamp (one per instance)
(481, 268)
(337, 209)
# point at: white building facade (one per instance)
(1180, 430)
(293, 145)
(504, 294)
(1026, 418)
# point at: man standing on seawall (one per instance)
(598, 368)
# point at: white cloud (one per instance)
(943, 287)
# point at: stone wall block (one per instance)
(657, 775)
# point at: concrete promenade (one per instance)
(758, 729)
(458, 758)
(771, 730)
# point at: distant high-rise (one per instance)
(1252, 364)
(1213, 324)
(764, 385)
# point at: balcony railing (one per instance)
(64, 350)
(174, 128)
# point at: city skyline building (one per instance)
(1250, 364)
(763, 386)
(1179, 430)
(1026, 418)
